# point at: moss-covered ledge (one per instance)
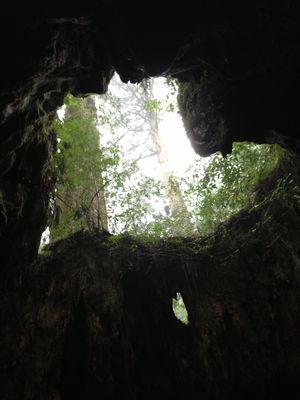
(93, 316)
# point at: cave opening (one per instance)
(123, 164)
(179, 309)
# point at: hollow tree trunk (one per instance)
(79, 198)
(94, 318)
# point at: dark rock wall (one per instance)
(247, 79)
(94, 317)
(42, 60)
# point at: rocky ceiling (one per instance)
(238, 63)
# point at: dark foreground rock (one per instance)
(93, 318)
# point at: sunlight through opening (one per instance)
(124, 164)
(179, 309)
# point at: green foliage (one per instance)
(153, 106)
(228, 184)
(84, 167)
(131, 207)
(179, 309)
(78, 165)
(131, 193)
(88, 163)
(166, 226)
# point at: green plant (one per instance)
(228, 183)
(99, 184)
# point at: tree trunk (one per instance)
(94, 318)
(172, 189)
(79, 197)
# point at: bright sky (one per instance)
(181, 155)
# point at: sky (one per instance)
(180, 154)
